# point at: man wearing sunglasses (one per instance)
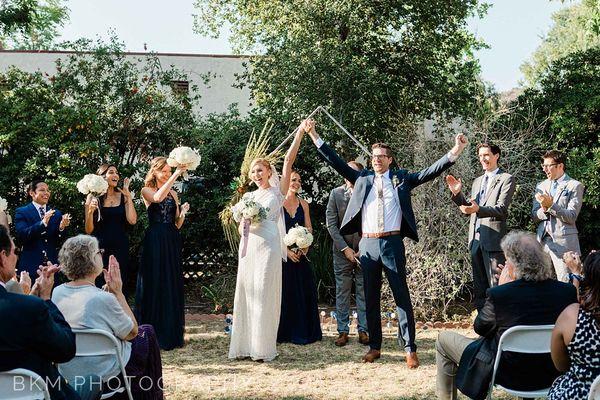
(380, 210)
(556, 205)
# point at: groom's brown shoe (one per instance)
(342, 339)
(363, 338)
(412, 361)
(371, 356)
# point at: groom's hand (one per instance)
(460, 142)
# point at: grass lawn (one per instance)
(201, 370)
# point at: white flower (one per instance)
(184, 156)
(305, 240)
(3, 204)
(251, 211)
(92, 183)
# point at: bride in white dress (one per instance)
(257, 303)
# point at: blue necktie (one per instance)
(483, 190)
(553, 188)
(42, 212)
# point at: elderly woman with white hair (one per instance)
(85, 306)
(526, 295)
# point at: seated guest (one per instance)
(526, 295)
(33, 334)
(576, 336)
(86, 306)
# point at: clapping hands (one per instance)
(44, 283)
(544, 199)
(455, 185)
(112, 277)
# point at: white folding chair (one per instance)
(97, 342)
(595, 389)
(529, 339)
(22, 384)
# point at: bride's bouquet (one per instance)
(248, 209)
(93, 184)
(298, 238)
(185, 157)
(248, 212)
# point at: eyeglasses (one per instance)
(380, 156)
(548, 166)
(17, 251)
(101, 252)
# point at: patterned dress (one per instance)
(584, 352)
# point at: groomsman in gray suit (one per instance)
(380, 210)
(345, 266)
(556, 205)
(490, 198)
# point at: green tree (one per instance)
(31, 24)
(568, 98)
(576, 28)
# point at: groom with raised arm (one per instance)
(380, 210)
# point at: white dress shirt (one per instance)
(392, 210)
(37, 208)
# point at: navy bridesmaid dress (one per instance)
(159, 297)
(111, 232)
(299, 322)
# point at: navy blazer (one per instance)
(36, 239)
(520, 303)
(34, 335)
(403, 180)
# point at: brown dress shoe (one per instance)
(363, 338)
(342, 339)
(412, 361)
(371, 356)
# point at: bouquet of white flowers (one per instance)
(248, 212)
(298, 237)
(185, 157)
(4, 207)
(93, 184)
(248, 209)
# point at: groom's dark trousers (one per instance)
(384, 254)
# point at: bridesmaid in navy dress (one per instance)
(159, 297)
(299, 322)
(116, 214)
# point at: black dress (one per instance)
(111, 232)
(159, 297)
(299, 322)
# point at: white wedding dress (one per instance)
(257, 303)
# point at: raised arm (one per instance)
(290, 157)
(331, 157)
(156, 196)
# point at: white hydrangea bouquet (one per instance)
(93, 184)
(298, 238)
(247, 211)
(4, 207)
(184, 157)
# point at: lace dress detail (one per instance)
(584, 352)
(257, 303)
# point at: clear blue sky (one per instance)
(513, 29)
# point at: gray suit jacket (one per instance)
(336, 209)
(563, 213)
(493, 210)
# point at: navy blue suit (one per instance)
(37, 241)
(384, 254)
(34, 335)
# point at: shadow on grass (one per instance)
(207, 355)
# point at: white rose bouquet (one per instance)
(247, 211)
(299, 238)
(184, 157)
(93, 184)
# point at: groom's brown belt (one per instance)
(380, 234)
